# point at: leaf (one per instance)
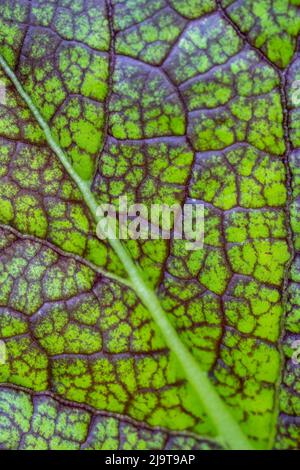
(165, 102)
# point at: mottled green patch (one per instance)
(12, 427)
(84, 72)
(248, 382)
(215, 274)
(217, 129)
(11, 33)
(151, 40)
(204, 44)
(78, 129)
(151, 172)
(254, 310)
(45, 424)
(58, 334)
(11, 324)
(75, 22)
(262, 259)
(193, 8)
(26, 364)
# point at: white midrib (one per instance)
(227, 429)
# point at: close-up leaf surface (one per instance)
(145, 344)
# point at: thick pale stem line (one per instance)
(226, 427)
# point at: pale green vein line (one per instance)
(225, 425)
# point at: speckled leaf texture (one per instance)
(163, 101)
